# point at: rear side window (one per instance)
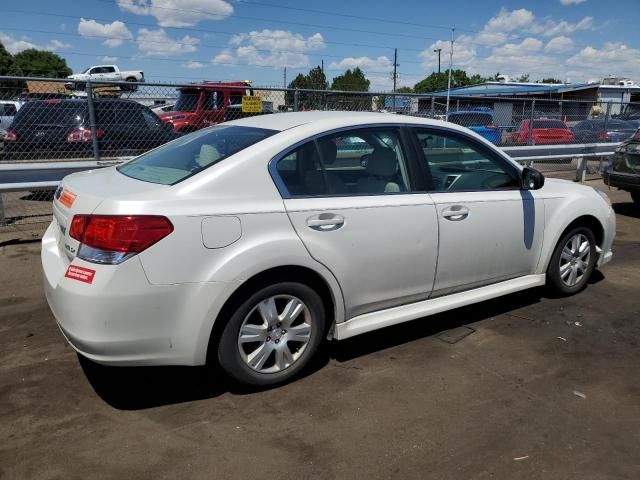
(58, 113)
(191, 154)
(548, 124)
(471, 119)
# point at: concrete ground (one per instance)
(523, 387)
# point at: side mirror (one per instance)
(532, 179)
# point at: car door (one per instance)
(358, 213)
(490, 230)
(110, 74)
(96, 73)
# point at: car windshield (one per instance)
(50, 113)
(187, 102)
(191, 154)
(548, 124)
(86, 70)
(471, 119)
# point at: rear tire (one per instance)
(572, 262)
(272, 335)
(635, 195)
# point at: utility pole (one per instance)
(285, 78)
(395, 75)
(449, 80)
(438, 51)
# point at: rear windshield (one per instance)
(191, 154)
(471, 119)
(548, 124)
(50, 113)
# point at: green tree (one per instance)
(352, 80)
(550, 80)
(8, 67)
(404, 90)
(314, 80)
(40, 63)
(522, 78)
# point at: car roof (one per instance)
(333, 119)
(471, 112)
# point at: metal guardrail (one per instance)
(46, 175)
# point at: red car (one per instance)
(544, 130)
(202, 105)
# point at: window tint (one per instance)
(458, 164)
(51, 112)
(187, 102)
(151, 119)
(193, 153)
(108, 70)
(235, 98)
(8, 109)
(362, 162)
(548, 124)
(471, 119)
(209, 101)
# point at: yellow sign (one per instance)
(251, 104)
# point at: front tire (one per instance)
(572, 262)
(272, 335)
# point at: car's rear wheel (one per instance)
(272, 335)
(636, 197)
(572, 262)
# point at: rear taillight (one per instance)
(80, 135)
(10, 136)
(602, 135)
(111, 239)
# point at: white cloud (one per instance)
(572, 2)
(108, 59)
(364, 63)
(559, 44)
(508, 21)
(613, 58)
(551, 28)
(178, 13)
(193, 65)
(115, 33)
(16, 45)
(527, 46)
(158, 43)
(276, 48)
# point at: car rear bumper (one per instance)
(622, 181)
(122, 319)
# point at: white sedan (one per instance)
(251, 242)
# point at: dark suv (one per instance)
(59, 129)
(624, 171)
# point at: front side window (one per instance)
(458, 164)
(361, 162)
(187, 102)
(193, 153)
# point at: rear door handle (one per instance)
(325, 222)
(456, 212)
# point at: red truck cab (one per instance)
(202, 105)
(542, 131)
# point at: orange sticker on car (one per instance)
(80, 273)
(67, 198)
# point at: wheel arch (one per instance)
(290, 273)
(585, 220)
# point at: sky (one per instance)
(192, 40)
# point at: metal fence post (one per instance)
(531, 117)
(296, 98)
(607, 115)
(433, 106)
(92, 121)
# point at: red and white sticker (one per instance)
(80, 273)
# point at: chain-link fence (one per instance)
(54, 120)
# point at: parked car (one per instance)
(46, 129)
(592, 131)
(109, 73)
(251, 242)
(167, 107)
(542, 131)
(8, 110)
(480, 121)
(205, 104)
(624, 171)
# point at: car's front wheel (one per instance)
(572, 262)
(272, 335)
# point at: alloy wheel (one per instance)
(275, 333)
(574, 260)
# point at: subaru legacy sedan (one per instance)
(250, 243)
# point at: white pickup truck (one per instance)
(105, 73)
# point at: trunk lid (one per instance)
(83, 192)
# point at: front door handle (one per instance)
(325, 222)
(456, 212)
